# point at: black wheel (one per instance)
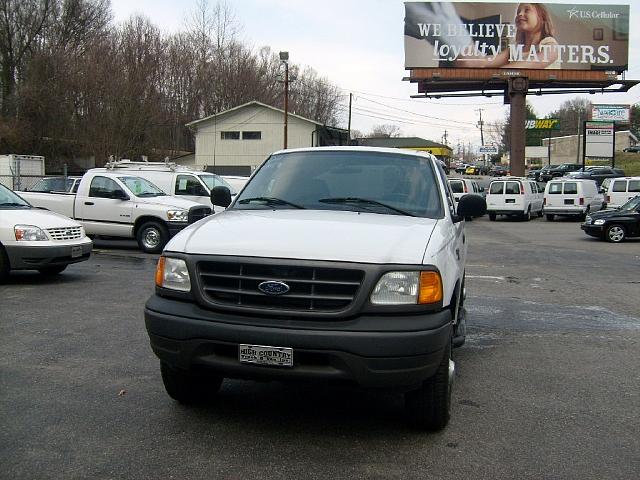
(527, 215)
(187, 387)
(152, 237)
(52, 270)
(429, 406)
(4, 265)
(492, 217)
(615, 233)
(550, 217)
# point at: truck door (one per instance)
(107, 208)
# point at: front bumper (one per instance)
(29, 257)
(565, 211)
(176, 227)
(593, 230)
(398, 351)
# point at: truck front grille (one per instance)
(68, 233)
(198, 213)
(312, 289)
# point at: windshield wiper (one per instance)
(151, 194)
(364, 201)
(270, 201)
(13, 204)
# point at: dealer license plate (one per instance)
(76, 252)
(264, 355)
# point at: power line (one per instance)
(418, 114)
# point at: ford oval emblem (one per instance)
(272, 287)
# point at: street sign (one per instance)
(488, 149)
(599, 139)
(613, 113)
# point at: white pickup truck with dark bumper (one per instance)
(338, 263)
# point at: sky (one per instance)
(358, 45)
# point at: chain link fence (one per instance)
(21, 182)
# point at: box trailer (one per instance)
(20, 171)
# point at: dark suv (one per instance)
(559, 171)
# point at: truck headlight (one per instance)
(178, 215)
(29, 233)
(172, 273)
(407, 288)
(600, 221)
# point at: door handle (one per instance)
(88, 203)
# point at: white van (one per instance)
(514, 196)
(176, 180)
(571, 197)
(462, 186)
(621, 190)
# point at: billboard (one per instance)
(619, 113)
(516, 35)
(488, 149)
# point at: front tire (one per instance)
(152, 237)
(189, 388)
(429, 406)
(615, 233)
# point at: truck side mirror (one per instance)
(221, 196)
(471, 205)
(119, 195)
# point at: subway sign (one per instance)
(542, 124)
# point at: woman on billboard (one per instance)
(535, 45)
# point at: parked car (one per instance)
(56, 184)
(514, 196)
(35, 239)
(571, 197)
(559, 171)
(620, 190)
(615, 225)
(632, 149)
(499, 171)
(534, 173)
(237, 182)
(476, 170)
(462, 167)
(544, 173)
(351, 267)
(598, 174)
(176, 180)
(118, 204)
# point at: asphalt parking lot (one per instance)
(548, 383)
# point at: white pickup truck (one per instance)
(117, 204)
(341, 264)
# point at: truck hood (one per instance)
(309, 234)
(169, 201)
(35, 216)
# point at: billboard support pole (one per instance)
(549, 145)
(584, 143)
(517, 93)
(613, 153)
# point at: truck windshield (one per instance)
(141, 187)
(215, 181)
(362, 181)
(8, 199)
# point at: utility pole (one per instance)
(444, 138)
(480, 125)
(349, 127)
(284, 58)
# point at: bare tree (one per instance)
(385, 131)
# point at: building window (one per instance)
(230, 135)
(252, 135)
